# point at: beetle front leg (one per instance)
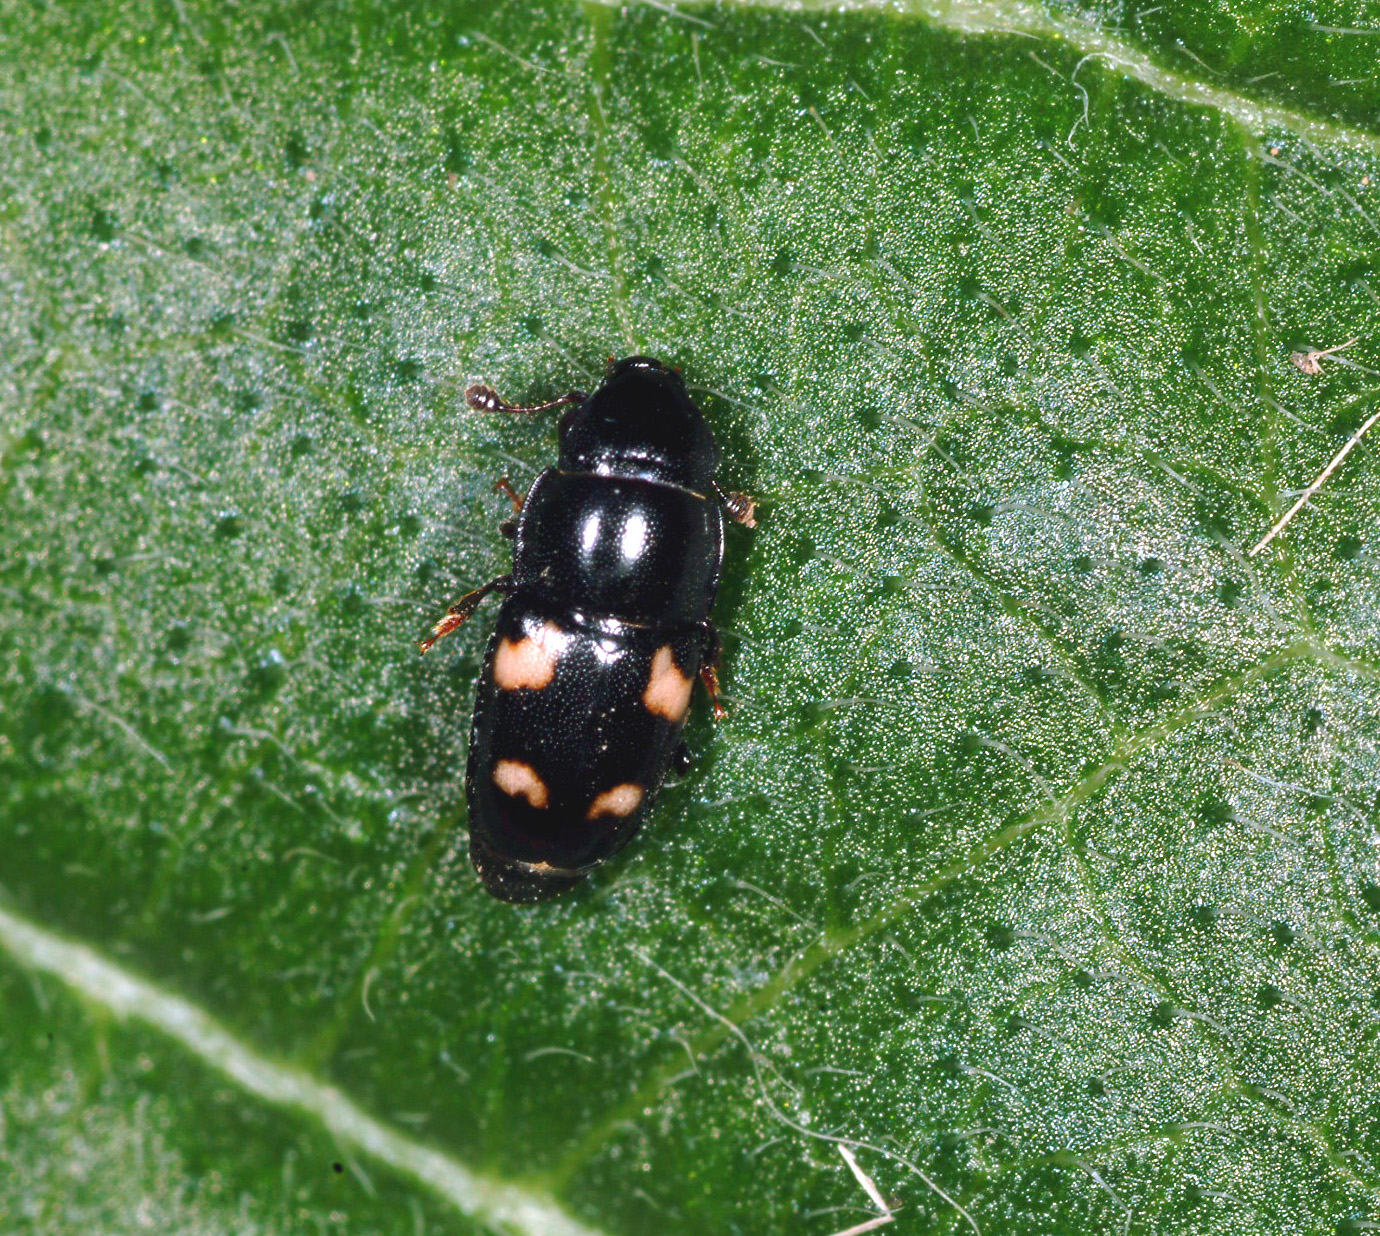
(463, 610)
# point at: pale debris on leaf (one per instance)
(1309, 362)
(870, 1188)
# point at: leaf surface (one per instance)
(1037, 858)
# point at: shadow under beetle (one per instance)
(604, 628)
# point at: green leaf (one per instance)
(1037, 860)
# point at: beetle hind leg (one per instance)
(463, 610)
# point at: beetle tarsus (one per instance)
(463, 610)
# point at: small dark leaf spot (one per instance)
(1204, 915)
(1082, 564)
(1083, 977)
(981, 515)
(1312, 722)
(352, 501)
(296, 151)
(408, 369)
(901, 670)
(853, 331)
(533, 325)
(1370, 894)
(1282, 932)
(1348, 548)
(1214, 812)
(1229, 593)
(228, 526)
(1162, 1015)
(1000, 936)
(178, 639)
(458, 159)
(301, 445)
(271, 671)
(194, 247)
(337, 1168)
(782, 264)
(299, 330)
(1097, 1087)
(1151, 566)
(1269, 996)
(147, 402)
(103, 225)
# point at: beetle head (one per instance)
(641, 422)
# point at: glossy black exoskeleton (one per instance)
(605, 626)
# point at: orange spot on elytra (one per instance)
(529, 662)
(520, 780)
(621, 800)
(668, 690)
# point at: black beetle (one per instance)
(587, 676)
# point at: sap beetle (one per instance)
(603, 630)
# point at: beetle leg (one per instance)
(741, 509)
(461, 612)
(681, 759)
(486, 399)
(501, 486)
(709, 670)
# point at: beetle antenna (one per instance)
(485, 399)
(741, 509)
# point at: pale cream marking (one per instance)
(517, 779)
(668, 690)
(621, 800)
(529, 662)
